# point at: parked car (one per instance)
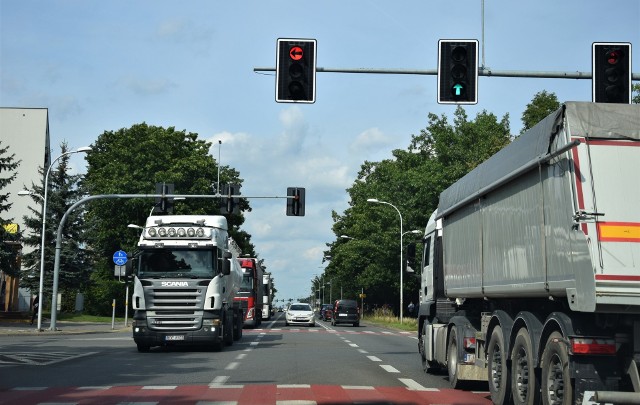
(300, 313)
(346, 311)
(325, 312)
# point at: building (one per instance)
(26, 132)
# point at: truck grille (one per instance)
(178, 308)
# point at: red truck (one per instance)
(251, 291)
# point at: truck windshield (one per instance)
(247, 283)
(172, 263)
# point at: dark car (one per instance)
(346, 311)
(325, 312)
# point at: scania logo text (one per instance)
(175, 284)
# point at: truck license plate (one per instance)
(174, 337)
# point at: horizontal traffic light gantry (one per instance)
(457, 71)
(296, 71)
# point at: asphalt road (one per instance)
(272, 365)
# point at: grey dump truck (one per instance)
(185, 277)
(531, 266)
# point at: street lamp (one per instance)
(346, 237)
(83, 149)
(376, 201)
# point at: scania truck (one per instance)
(251, 290)
(531, 266)
(186, 275)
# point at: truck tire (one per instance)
(229, 325)
(452, 360)
(498, 371)
(237, 325)
(555, 384)
(525, 387)
(142, 348)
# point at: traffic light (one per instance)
(611, 80)
(163, 205)
(228, 203)
(295, 205)
(296, 71)
(458, 71)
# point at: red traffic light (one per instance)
(613, 57)
(296, 53)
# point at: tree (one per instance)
(74, 272)
(131, 161)
(412, 181)
(543, 104)
(636, 93)
(8, 165)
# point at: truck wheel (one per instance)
(237, 328)
(227, 332)
(452, 360)
(499, 378)
(142, 348)
(556, 385)
(525, 387)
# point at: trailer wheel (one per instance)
(525, 387)
(556, 385)
(452, 360)
(498, 370)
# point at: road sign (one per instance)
(120, 258)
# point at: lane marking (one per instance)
(389, 369)
(232, 366)
(414, 386)
(373, 358)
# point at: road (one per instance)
(270, 365)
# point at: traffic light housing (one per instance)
(457, 71)
(163, 205)
(611, 80)
(228, 203)
(296, 71)
(295, 201)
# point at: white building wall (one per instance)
(26, 132)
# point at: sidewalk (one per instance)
(22, 327)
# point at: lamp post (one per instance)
(83, 149)
(376, 201)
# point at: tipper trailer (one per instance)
(531, 264)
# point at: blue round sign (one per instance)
(120, 258)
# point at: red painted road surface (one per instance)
(241, 395)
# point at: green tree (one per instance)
(8, 166)
(74, 273)
(636, 93)
(412, 181)
(543, 104)
(131, 161)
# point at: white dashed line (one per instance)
(412, 385)
(389, 369)
(373, 358)
(232, 366)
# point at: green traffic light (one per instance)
(458, 89)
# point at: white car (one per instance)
(300, 313)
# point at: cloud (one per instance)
(371, 140)
(147, 86)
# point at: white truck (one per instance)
(531, 265)
(186, 275)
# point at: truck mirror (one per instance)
(128, 268)
(226, 263)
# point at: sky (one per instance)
(104, 65)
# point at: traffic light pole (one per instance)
(482, 71)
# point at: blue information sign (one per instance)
(120, 258)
